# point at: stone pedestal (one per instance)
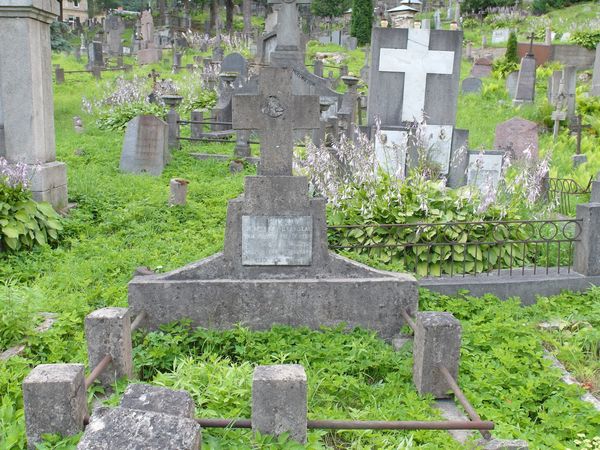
(26, 102)
(55, 401)
(587, 249)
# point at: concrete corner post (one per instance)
(173, 122)
(436, 343)
(55, 401)
(279, 401)
(108, 332)
(26, 99)
(196, 128)
(587, 249)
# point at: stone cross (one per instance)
(416, 61)
(288, 32)
(155, 76)
(531, 37)
(578, 127)
(275, 112)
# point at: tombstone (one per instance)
(218, 53)
(95, 56)
(485, 169)
(114, 27)
(26, 105)
(554, 86)
(548, 37)
(148, 52)
(569, 81)
(500, 36)
(511, 83)
(351, 43)
(288, 52)
(426, 24)
(525, 92)
(145, 146)
(401, 91)
(437, 21)
(469, 51)
(518, 137)
(271, 22)
(236, 63)
(276, 266)
(595, 90)
(482, 68)
(471, 85)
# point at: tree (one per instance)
(511, 48)
(229, 15)
(329, 8)
(362, 20)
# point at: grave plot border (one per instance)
(563, 191)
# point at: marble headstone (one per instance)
(485, 169)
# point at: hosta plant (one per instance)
(24, 223)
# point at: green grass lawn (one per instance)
(122, 221)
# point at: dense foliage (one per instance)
(329, 8)
(511, 48)
(59, 36)
(362, 20)
(587, 39)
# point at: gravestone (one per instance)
(148, 53)
(95, 56)
(275, 267)
(288, 52)
(518, 137)
(511, 83)
(114, 28)
(485, 169)
(500, 36)
(482, 68)
(595, 90)
(471, 85)
(525, 92)
(569, 82)
(145, 146)
(401, 90)
(437, 21)
(26, 100)
(234, 62)
(554, 86)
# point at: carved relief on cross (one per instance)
(288, 31)
(416, 61)
(275, 112)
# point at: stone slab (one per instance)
(518, 137)
(525, 92)
(146, 397)
(122, 428)
(485, 169)
(275, 241)
(471, 85)
(145, 146)
(595, 89)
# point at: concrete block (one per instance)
(108, 331)
(578, 160)
(55, 401)
(145, 397)
(279, 401)
(587, 249)
(122, 428)
(436, 343)
(505, 444)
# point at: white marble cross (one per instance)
(416, 61)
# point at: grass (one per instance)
(122, 221)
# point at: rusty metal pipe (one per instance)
(138, 320)
(101, 367)
(361, 425)
(463, 400)
(408, 319)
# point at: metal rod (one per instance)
(361, 425)
(463, 400)
(102, 365)
(411, 323)
(202, 122)
(138, 320)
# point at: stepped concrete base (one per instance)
(210, 296)
(49, 184)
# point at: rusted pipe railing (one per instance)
(409, 321)
(361, 425)
(102, 365)
(138, 320)
(463, 400)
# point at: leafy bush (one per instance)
(511, 49)
(15, 316)
(24, 223)
(116, 119)
(362, 20)
(59, 36)
(503, 66)
(586, 39)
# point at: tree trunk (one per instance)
(229, 16)
(247, 8)
(214, 12)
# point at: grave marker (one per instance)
(518, 137)
(145, 146)
(288, 51)
(485, 169)
(595, 90)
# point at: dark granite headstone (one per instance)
(517, 137)
(471, 85)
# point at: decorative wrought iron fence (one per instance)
(566, 193)
(516, 247)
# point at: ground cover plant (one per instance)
(122, 222)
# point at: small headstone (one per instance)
(235, 63)
(500, 36)
(485, 169)
(595, 90)
(525, 92)
(518, 137)
(471, 85)
(145, 146)
(95, 57)
(114, 27)
(482, 68)
(511, 83)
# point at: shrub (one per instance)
(586, 39)
(511, 49)
(24, 223)
(362, 20)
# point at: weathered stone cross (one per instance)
(288, 31)
(275, 112)
(416, 61)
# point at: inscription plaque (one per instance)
(277, 241)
